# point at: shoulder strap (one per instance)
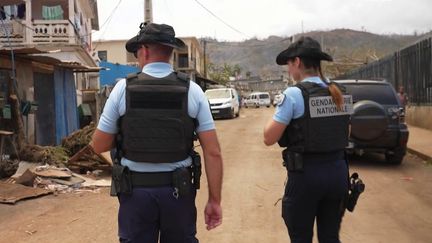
(183, 76)
(132, 75)
(305, 87)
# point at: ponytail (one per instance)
(335, 92)
(311, 66)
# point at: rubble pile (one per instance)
(33, 180)
(42, 170)
(74, 153)
(78, 139)
(45, 154)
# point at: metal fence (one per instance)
(410, 68)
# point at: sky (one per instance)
(238, 20)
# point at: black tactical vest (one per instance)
(156, 127)
(322, 128)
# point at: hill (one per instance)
(349, 48)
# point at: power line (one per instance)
(214, 15)
(111, 14)
(108, 20)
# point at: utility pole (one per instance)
(302, 27)
(205, 57)
(148, 11)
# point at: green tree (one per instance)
(222, 73)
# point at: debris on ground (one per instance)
(42, 170)
(11, 193)
(33, 180)
(78, 139)
(45, 154)
(86, 159)
(74, 153)
(8, 167)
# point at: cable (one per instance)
(111, 14)
(236, 30)
(108, 20)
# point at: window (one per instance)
(183, 60)
(103, 55)
(15, 11)
(380, 93)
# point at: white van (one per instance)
(257, 99)
(224, 102)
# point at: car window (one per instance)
(264, 96)
(380, 93)
(218, 93)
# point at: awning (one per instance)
(70, 57)
(69, 62)
(205, 80)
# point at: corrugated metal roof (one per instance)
(52, 55)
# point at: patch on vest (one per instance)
(279, 99)
(323, 106)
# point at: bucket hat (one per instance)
(154, 33)
(303, 47)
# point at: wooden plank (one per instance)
(52, 173)
(11, 193)
(79, 153)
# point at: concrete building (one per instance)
(191, 60)
(45, 53)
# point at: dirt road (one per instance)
(396, 207)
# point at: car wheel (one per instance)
(396, 157)
(368, 121)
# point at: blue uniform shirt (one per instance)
(115, 106)
(292, 106)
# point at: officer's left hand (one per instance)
(213, 215)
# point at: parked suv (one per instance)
(378, 119)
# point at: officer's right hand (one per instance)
(213, 214)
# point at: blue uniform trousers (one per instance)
(316, 193)
(153, 213)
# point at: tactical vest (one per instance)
(322, 128)
(156, 127)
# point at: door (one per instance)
(45, 130)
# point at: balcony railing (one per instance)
(12, 29)
(38, 31)
(50, 31)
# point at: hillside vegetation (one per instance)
(349, 48)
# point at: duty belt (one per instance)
(152, 179)
(324, 156)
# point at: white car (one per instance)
(257, 99)
(224, 102)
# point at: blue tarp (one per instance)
(65, 103)
(114, 72)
